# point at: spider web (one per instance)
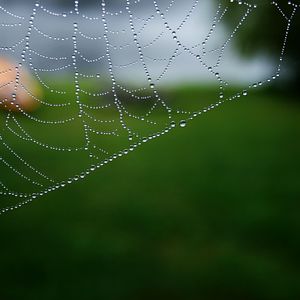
(112, 103)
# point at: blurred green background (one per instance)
(208, 212)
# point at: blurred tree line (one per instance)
(264, 33)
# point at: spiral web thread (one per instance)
(84, 103)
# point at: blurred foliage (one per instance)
(264, 31)
(208, 212)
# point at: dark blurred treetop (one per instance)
(264, 31)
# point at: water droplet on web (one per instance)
(173, 124)
(182, 123)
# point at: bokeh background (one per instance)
(208, 212)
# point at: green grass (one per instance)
(208, 212)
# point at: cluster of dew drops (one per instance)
(27, 198)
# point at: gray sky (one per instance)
(184, 68)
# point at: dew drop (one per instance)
(182, 123)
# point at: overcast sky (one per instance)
(233, 67)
